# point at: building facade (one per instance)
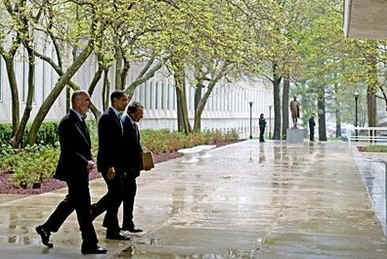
(227, 108)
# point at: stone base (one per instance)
(295, 136)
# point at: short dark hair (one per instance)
(132, 108)
(116, 95)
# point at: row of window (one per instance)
(161, 95)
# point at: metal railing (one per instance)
(373, 135)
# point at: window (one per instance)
(156, 95)
(163, 97)
(146, 95)
(43, 77)
(151, 88)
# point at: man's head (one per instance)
(261, 116)
(295, 98)
(136, 111)
(80, 101)
(119, 100)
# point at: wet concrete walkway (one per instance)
(248, 200)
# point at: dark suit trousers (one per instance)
(78, 199)
(311, 133)
(129, 193)
(261, 134)
(110, 203)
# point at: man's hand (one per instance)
(111, 173)
(90, 166)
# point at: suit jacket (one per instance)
(133, 150)
(311, 123)
(75, 148)
(110, 140)
(262, 123)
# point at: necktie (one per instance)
(119, 118)
(85, 129)
(137, 133)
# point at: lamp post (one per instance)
(356, 94)
(251, 119)
(269, 121)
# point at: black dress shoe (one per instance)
(132, 229)
(116, 237)
(93, 250)
(45, 236)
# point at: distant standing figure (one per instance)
(295, 110)
(262, 125)
(312, 123)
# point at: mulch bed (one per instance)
(6, 186)
(361, 148)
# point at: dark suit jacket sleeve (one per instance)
(133, 149)
(67, 132)
(107, 142)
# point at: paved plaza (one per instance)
(249, 200)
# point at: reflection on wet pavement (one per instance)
(249, 200)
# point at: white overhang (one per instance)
(365, 19)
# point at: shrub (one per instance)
(47, 134)
(375, 148)
(159, 141)
(31, 164)
(35, 164)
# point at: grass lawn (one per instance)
(373, 148)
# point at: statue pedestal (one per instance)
(295, 136)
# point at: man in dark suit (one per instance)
(74, 165)
(133, 163)
(312, 124)
(110, 164)
(262, 126)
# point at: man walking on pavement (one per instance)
(133, 163)
(74, 166)
(110, 163)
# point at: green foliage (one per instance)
(5, 133)
(47, 134)
(35, 164)
(375, 148)
(29, 165)
(161, 141)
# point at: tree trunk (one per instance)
(182, 107)
(197, 120)
(338, 112)
(371, 106)
(105, 89)
(9, 63)
(285, 106)
(30, 96)
(146, 74)
(201, 101)
(92, 86)
(118, 84)
(277, 103)
(179, 110)
(322, 130)
(68, 89)
(124, 73)
(183, 124)
(51, 98)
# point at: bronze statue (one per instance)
(295, 110)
